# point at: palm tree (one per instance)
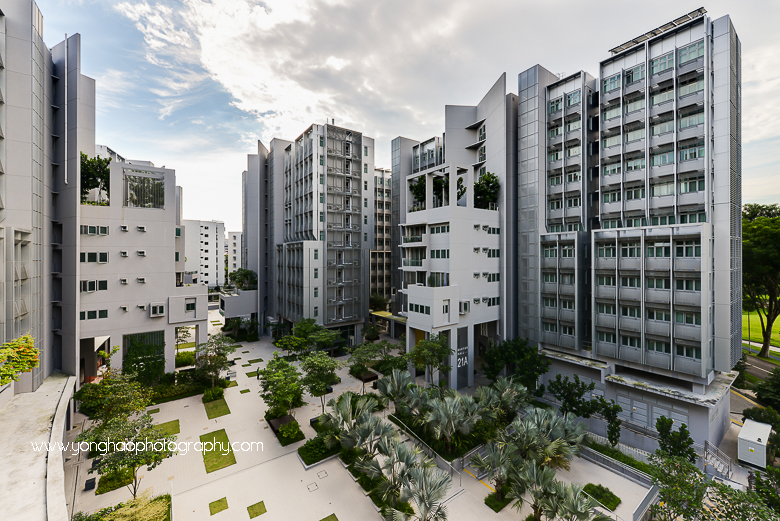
(367, 433)
(395, 386)
(452, 415)
(346, 411)
(537, 482)
(499, 459)
(546, 438)
(571, 503)
(400, 458)
(417, 403)
(427, 487)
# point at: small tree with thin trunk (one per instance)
(677, 444)
(431, 354)
(281, 384)
(212, 357)
(319, 373)
(183, 335)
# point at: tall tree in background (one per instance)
(17, 356)
(761, 265)
(486, 190)
(95, 173)
(212, 356)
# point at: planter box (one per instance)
(278, 422)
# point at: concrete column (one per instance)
(471, 356)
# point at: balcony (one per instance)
(630, 294)
(609, 124)
(630, 263)
(637, 86)
(566, 315)
(554, 189)
(657, 79)
(549, 288)
(574, 160)
(658, 264)
(608, 321)
(635, 205)
(555, 140)
(606, 263)
(635, 146)
(555, 214)
(555, 165)
(575, 211)
(550, 338)
(662, 139)
(637, 115)
(614, 207)
(574, 186)
(693, 165)
(631, 324)
(634, 175)
(658, 328)
(666, 201)
(687, 332)
(658, 296)
(691, 198)
(687, 264)
(606, 97)
(656, 359)
(566, 289)
(574, 135)
(551, 313)
(690, 66)
(688, 298)
(566, 341)
(661, 171)
(690, 100)
(661, 108)
(604, 349)
(606, 292)
(630, 354)
(418, 263)
(687, 366)
(554, 116)
(567, 263)
(696, 131)
(412, 238)
(549, 262)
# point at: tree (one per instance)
(395, 386)
(610, 410)
(142, 507)
(675, 444)
(498, 461)
(461, 188)
(504, 398)
(728, 503)
(367, 434)
(115, 396)
(452, 415)
(533, 484)
(362, 356)
(319, 373)
(280, 384)
(400, 458)
(305, 328)
(486, 190)
(682, 488)
(768, 391)
(345, 412)
(324, 339)
(525, 361)
(752, 211)
(418, 190)
(146, 362)
(741, 368)
(183, 334)
(761, 272)
(571, 503)
(277, 330)
(95, 173)
(431, 354)
(17, 356)
(572, 395)
(377, 302)
(292, 344)
(243, 278)
(767, 486)
(546, 438)
(211, 357)
(370, 333)
(426, 488)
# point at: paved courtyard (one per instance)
(275, 475)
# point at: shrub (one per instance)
(290, 433)
(619, 456)
(185, 358)
(274, 413)
(603, 495)
(168, 379)
(167, 393)
(209, 395)
(316, 450)
(495, 503)
(388, 363)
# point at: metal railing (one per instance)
(605, 461)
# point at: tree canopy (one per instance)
(486, 190)
(95, 173)
(281, 384)
(243, 278)
(761, 270)
(17, 356)
(212, 356)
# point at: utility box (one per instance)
(751, 446)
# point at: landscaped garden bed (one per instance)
(603, 495)
(496, 504)
(222, 454)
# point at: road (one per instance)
(759, 368)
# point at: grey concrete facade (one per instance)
(381, 253)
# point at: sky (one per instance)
(194, 84)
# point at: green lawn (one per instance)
(331, 517)
(218, 506)
(222, 455)
(244, 351)
(252, 374)
(755, 329)
(232, 384)
(245, 365)
(244, 391)
(255, 360)
(170, 428)
(152, 411)
(217, 408)
(256, 510)
(186, 345)
(114, 480)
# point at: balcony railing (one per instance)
(413, 262)
(413, 238)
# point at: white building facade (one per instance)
(205, 251)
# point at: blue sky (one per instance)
(193, 84)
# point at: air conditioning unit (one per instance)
(123, 227)
(123, 308)
(142, 306)
(484, 299)
(464, 306)
(141, 228)
(123, 254)
(123, 281)
(142, 253)
(476, 300)
(141, 280)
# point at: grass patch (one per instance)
(245, 365)
(331, 517)
(256, 510)
(217, 408)
(236, 346)
(152, 411)
(244, 351)
(252, 374)
(496, 504)
(617, 455)
(755, 329)
(232, 383)
(244, 391)
(603, 495)
(185, 359)
(114, 480)
(186, 345)
(169, 428)
(255, 360)
(215, 507)
(222, 455)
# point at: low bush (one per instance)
(209, 395)
(316, 450)
(129, 508)
(496, 504)
(388, 363)
(290, 433)
(167, 393)
(357, 370)
(617, 455)
(603, 495)
(114, 480)
(185, 358)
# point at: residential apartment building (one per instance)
(62, 280)
(308, 227)
(454, 248)
(637, 286)
(234, 251)
(205, 251)
(381, 254)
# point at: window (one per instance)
(322, 236)
(635, 135)
(549, 277)
(637, 163)
(629, 341)
(316, 273)
(322, 161)
(688, 284)
(689, 352)
(663, 127)
(690, 248)
(157, 310)
(662, 96)
(692, 184)
(611, 197)
(554, 105)
(549, 303)
(631, 282)
(635, 74)
(573, 202)
(567, 278)
(365, 237)
(690, 218)
(322, 141)
(635, 105)
(494, 254)
(553, 132)
(555, 156)
(567, 250)
(555, 204)
(635, 193)
(607, 338)
(365, 151)
(322, 217)
(610, 113)
(556, 180)
(689, 152)
(636, 222)
(573, 98)
(663, 63)
(365, 168)
(658, 346)
(189, 306)
(692, 119)
(662, 189)
(606, 309)
(682, 317)
(567, 330)
(316, 254)
(550, 327)
(144, 189)
(550, 252)
(659, 315)
(567, 304)
(316, 292)
(662, 220)
(573, 151)
(606, 251)
(365, 186)
(176, 256)
(691, 52)
(322, 177)
(611, 169)
(659, 249)
(365, 202)
(611, 223)
(611, 83)
(611, 141)
(658, 283)
(630, 311)
(573, 177)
